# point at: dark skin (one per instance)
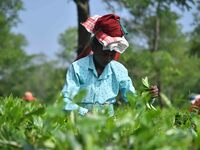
(103, 57)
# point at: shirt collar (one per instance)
(91, 63)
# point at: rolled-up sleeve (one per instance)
(126, 86)
(70, 89)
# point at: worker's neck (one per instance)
(98, 67)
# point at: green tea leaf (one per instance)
(145, 82)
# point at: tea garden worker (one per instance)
(99, 73)
(28, 96)
(195, 103)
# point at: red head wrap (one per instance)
(109, 24)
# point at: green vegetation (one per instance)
(32, 125)
(158, 49)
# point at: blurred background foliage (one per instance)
(158, 49)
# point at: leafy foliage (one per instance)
(68, 42)
(195, 34)
(32, 125)
(12, 56)
(19, 71)
(43, 124)
(166, 69)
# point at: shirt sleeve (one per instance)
(70, 89)
(126, 86)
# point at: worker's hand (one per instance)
(154, 91)
(88, 114)
(82, 111)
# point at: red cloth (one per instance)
(108, 24)
(195, 107)
(28, 96)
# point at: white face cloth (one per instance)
(119, 46)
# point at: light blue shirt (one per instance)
(103, 89)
